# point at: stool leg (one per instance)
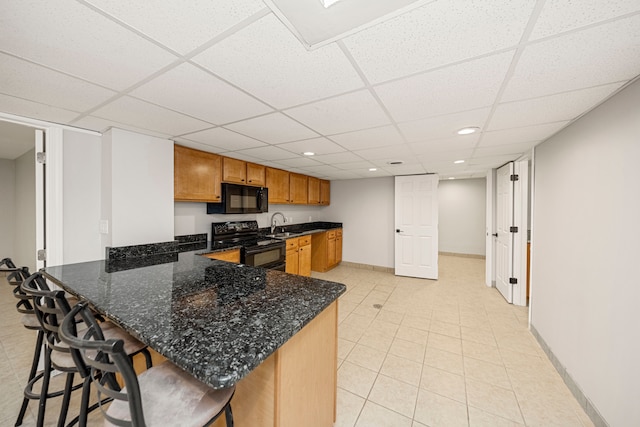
(32, 374)
(228, 415)
(42, 404)
(65, 400)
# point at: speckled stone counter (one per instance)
(214, 319)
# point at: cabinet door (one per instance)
(314, 191)
(229, 256)
(292, 261)
(331, 248)
(278, 184)
(298, 189)
(196, 175)
(234, 170)
(339, 246)
(325, 192)
(304, 257)
(256, 174)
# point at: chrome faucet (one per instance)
(273, 220)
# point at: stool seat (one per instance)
(30, 321)
(114, 332)
(171, 397)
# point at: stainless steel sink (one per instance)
(282, 235)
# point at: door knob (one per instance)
(495, 234)
(398, 230)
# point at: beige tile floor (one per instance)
(449, 352)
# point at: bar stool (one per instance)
(149, 399)
(50, 307)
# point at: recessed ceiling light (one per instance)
(309, 153)
(451, 177)
(373, 169)
(395, 162)
(457, 162)
(468, 130)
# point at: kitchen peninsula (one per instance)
(273, 335)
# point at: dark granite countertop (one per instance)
(214, 319)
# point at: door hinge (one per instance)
(42, 254)
(513, 229)
(514, 177)
(513, 280)
(41, 158)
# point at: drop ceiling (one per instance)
(229, 77)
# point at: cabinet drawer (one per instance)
(304, 240)
(292, 243)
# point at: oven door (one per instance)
(271, 256)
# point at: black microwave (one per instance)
(240, 199)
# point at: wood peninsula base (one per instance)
(297, 385)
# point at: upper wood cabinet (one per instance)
(298, 189)
(325, 192)
(197, 175)
(314, 191)
(278, 185)
(256, 174)
(234, 170)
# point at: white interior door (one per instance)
(504, 221)
(416, 220)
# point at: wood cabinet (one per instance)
(234, 170)
(197, 175)
(278, 185)
(298, 189)
(325, 192)
(326, 250)
(299, 256)
(314, 191)
(256, 174)
(232, 255)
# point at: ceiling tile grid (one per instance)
(229, 77)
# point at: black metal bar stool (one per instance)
(148, 399)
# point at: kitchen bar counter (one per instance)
(216, 320)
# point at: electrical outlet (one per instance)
(104, 226)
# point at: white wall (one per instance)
(25, 210)
(586, 233)
(81, 197)
(192, 218)
(7, 213)
(366, 209)
(137, 188)
(462, 213)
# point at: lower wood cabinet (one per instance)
(232, 255)
(327, 250)
(299, 256)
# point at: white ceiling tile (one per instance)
(459, 142)
(321, 169)
(102, 125)
(522, 134)
(269, 152)
(461, 87)
(553, 108)
(509, 149)
(138, 113)
(242, 156)
(224, 139)
(355, 165)
(436, 34)
(369, 138)
(36, 110)
(443, 126)
(318, 146)
(575, 60)
(273, 128)
(201, 97)
(298, 162)
(345, 113)
(32, 82)
(447, 157)
(558, 16)
(197, 145)
(75, 39)
(491, 162)
(267, 60)
(413, 169)
(389, 153)
(177, 26)
(336, 158)
(339, 175)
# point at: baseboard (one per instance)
(368, 267)
(582, 399)
(463, 255)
